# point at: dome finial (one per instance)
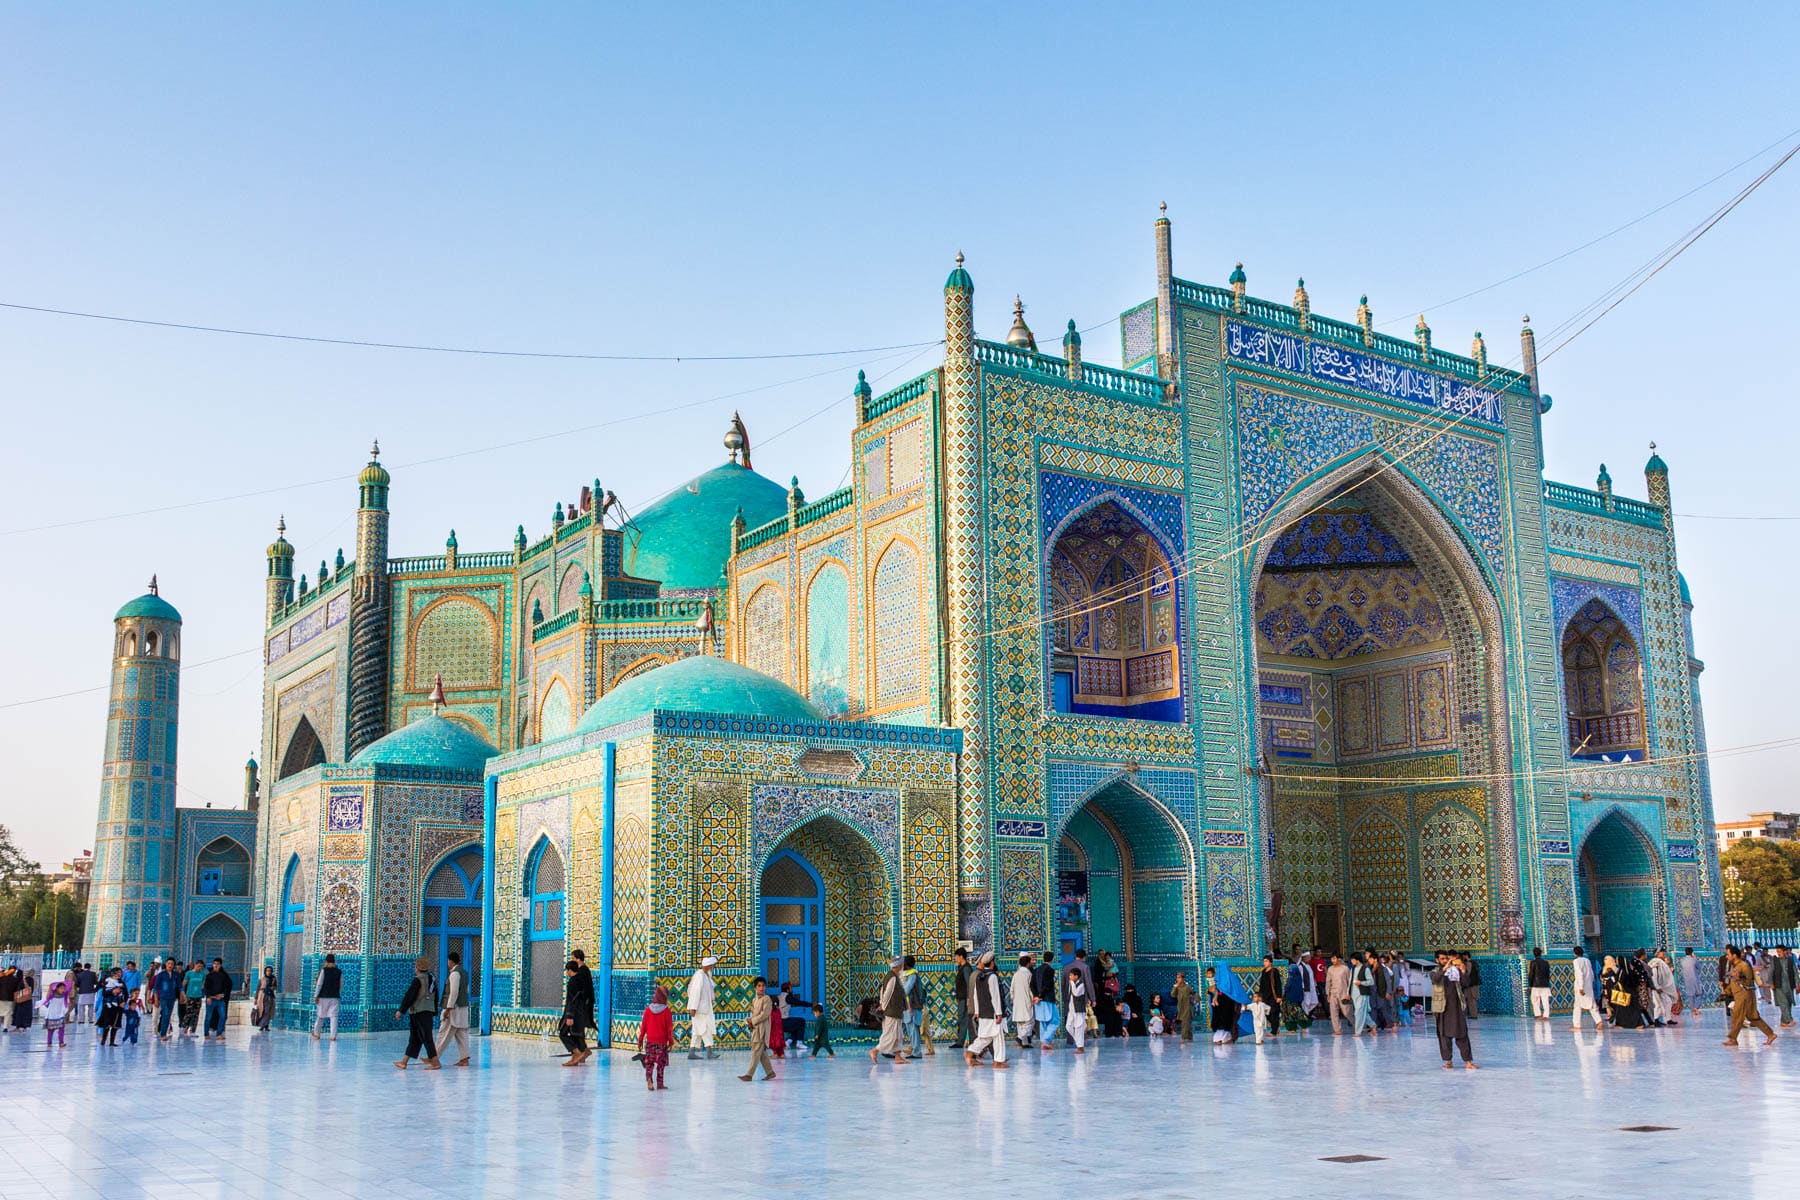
(374, 449)
(737, 441)
(153, 590)
(437, 695)
(1020, 334)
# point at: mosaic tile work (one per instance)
(1380, 896)
(928, 876)
(721, 871)
(1023, 887)
(1559, 903)
(765, 631)
(459, 640)
(897, 638)
(1453, 891)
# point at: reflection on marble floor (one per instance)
(282, 1115)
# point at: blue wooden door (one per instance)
(452, 918)
(793, 926)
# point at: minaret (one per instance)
(130, 902)
(961, 667)
(279, 588)
(1165, 297)
(369, 609)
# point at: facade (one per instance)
(163, 879)
(1276, 635)
(1775, 826)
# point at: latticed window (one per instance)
(545, 932)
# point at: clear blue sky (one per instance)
(597, 180)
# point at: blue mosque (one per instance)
(1277, 634)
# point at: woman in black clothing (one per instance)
(577, 1014)
(1136, 1026)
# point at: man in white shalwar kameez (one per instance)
(1586, 994)
(1662, 980)
(700, 1009)
(1024, 1004)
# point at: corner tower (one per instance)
(131, 900)
(369, 609)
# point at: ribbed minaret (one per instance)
(369, 609)
(129, 904)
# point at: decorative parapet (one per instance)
(556, 624)
(1344, 333)
(1580, 499)
(802, 516)
(887, 402)
(326, 585)
(1107, 381)
(427, 563)
(659, 611)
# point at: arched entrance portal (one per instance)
(1378, 666)
(451, 919)
(1125, 883)
(223, 938)
(1620, 878)
(825, 915)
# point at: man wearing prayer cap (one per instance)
(990, 1015)
(892, 1003)
(700, 1009)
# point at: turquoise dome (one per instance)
(684, 539)
(432, 741)
(700, 684)
(1687, 597)
(149, 605)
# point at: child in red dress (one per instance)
(656, 1033)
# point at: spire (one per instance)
(1165, 297)
(1603, 483)
(437, 695)
(1020, 333)
(556, 518)
(338, 563)
(153, 590)
(1478, 352)
(862, 391)
(587, 585)
(1302, 303)
(959, 280)
(1072, 350)
(450, 551)
(537, 612)
(1365, 319)
(796, 497)
(1422, 334)
(519, 542)
(1239, 283)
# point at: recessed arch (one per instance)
(1140, 899)
(304, 749)
(1113, 628)
(456, 637)
(290, 964)
(556, 713)
(219, 936)
(222, 868)
(897, 626)
(1603, 685)
(1419, 669)
(450, 919)
(766, 631)
(1620, 883)
(546, 900)
(827, 637)
(858, 913)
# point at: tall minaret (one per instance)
(369, 609)
(130, 902)
(279, 588)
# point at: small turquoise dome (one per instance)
(149, 605)
(700, 684)
(1656, 464)
(684, 539)
(959, 280)
(432, 741)
(1237, 275)
(1687, 597)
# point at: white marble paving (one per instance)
(279, 1115)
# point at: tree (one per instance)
(1769, 874)
(14, 866)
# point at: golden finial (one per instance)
(437, 695)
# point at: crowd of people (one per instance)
(177, 996)
(1038, 1005)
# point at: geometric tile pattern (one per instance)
(1453, 883)
(1023, 888)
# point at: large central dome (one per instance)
(684, 539)
(700, 684)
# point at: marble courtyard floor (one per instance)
(282, 1115)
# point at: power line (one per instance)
(441, 458)
(1637, 220)
(430, 348)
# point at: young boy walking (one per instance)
(821, 1043)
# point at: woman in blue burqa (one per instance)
(1228, 1004)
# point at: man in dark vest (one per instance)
(1537, 980)
(989, 1004)
(326, 994)
(964, 972)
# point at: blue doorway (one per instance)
(452, 917)
(793, 925)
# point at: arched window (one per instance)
(544, 924)
(128, 644)
(223, 869)
(1113, 626)
(150, 642)
(290, 968)
(1603, 686)
(303, 750)
(452, 916)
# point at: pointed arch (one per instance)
(827, 635)
(1114, 645)
(1620, 875)
(222, 868)
(304, 749)
(291, 948)
(556, 713)
(221, 937)
(1603, 685)
(897, 627)
(450, 917)
(568, 592)
(766, 631)
(546, 899)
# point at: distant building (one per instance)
(1775, 826)
(74, 877)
